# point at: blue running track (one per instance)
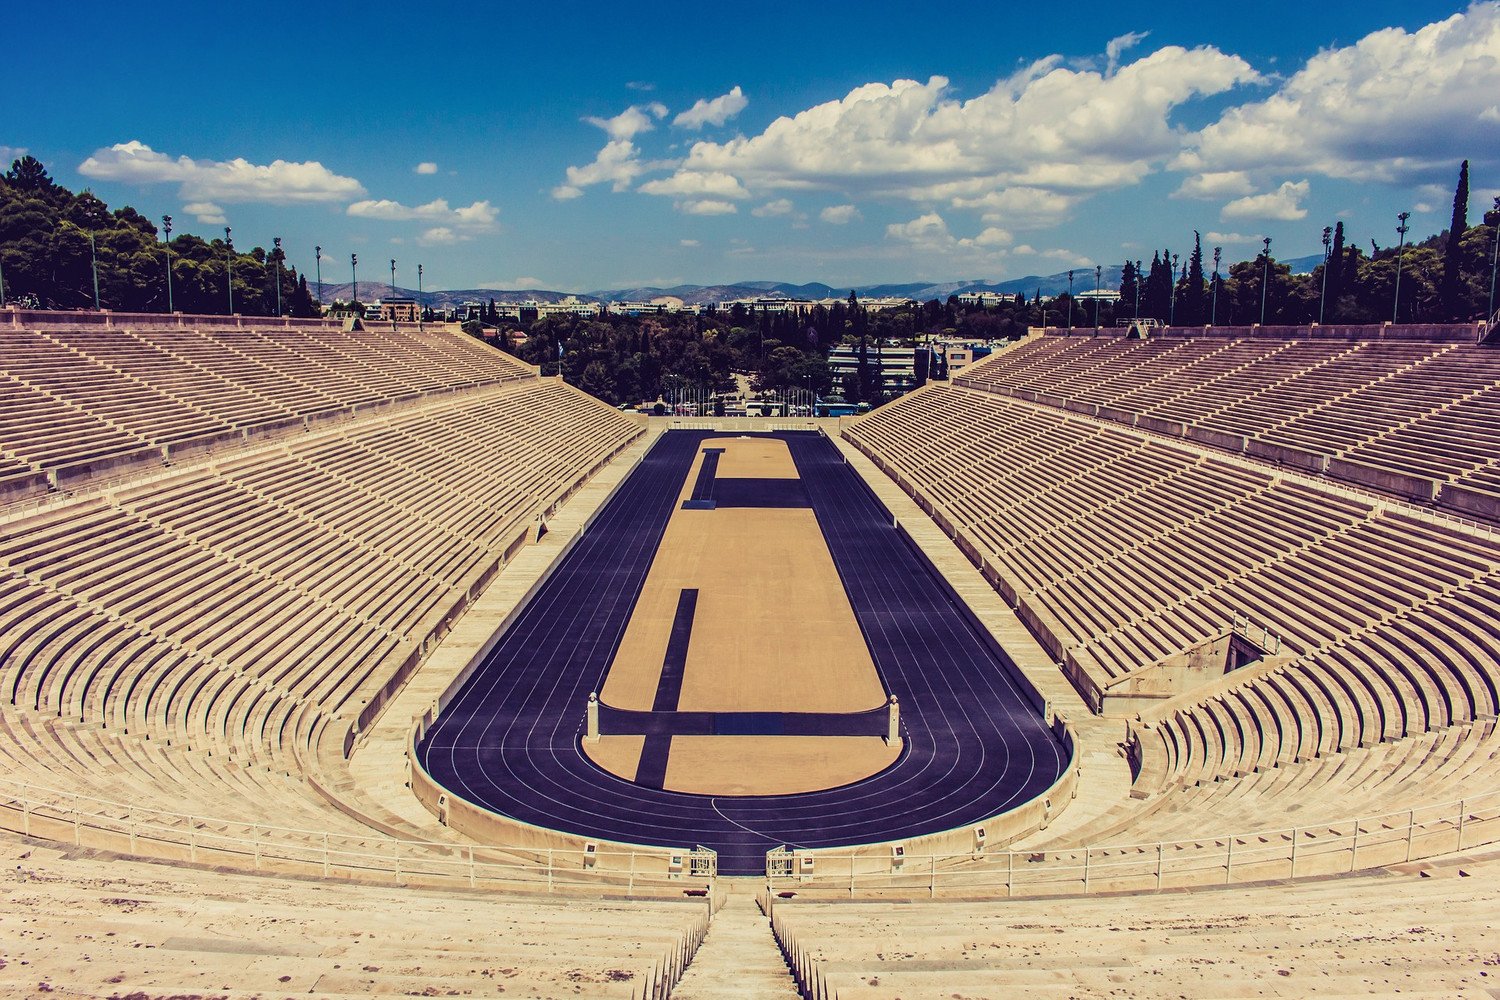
(974, 745)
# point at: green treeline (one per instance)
(1445, 278)
(45, 255)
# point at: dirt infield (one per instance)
(772, 632)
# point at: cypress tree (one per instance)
(1451, 292)
(1190, 311)
(1335, 273)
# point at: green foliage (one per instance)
(44, 249)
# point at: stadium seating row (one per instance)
(1409, 418)
(188, 640)
(79, 404)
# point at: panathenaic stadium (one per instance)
(347, 662)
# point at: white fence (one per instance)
(1407, 835)
(35, 811)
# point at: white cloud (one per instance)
(1212, 186)
(1117, 47)
(687, 243)
(642, 85)
(207, 213)
(1223, 238)
(1061, 132)
(781, 206)
(712, 183)
(440, 236)
(839, 215)
(1282, 205)
(426, 167)
(1022, 207)
(707, 206)
(632, 121)
(712, 112)
(618, 163)
(480, 213)
(9, 154)
(238, 180)
(1396, 107)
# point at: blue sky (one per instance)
(585, 146)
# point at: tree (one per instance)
(1190, 309)
(1451, 292)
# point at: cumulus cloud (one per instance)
(618, 163)
(9, 154)
(1282, 205)
(687, 243)
(481, 214)
(781, 206)
(707, 206)
(440, 236)
(1062, 132)
(642, 85)
(1212, 186)
(839, 215)
(1222, 238)
(711, 183)
(207, 213)
(1117, 47)
(1396, 107)
(237, 180)
(426, 167)
(712, 112)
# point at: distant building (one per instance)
(897, 365)
(983, 300)
(397, 309)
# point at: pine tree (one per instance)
(1335, 265)
(1190, 311)
(1450, 293)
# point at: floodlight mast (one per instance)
(166, 224)
(318, 262)
(276, 269)
(1265, 278)
(94, 267)
(1213, 316)
(229, 259)
(1401, 230)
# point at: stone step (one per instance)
(738, 959)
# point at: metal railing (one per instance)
(1413, 834)
(83, 821)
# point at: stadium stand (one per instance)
(209, 637)
(80, 926)
(1390, 933)
(1410, 417)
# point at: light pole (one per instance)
(393, 277)
(94, 266)
(354, 273)
(318, 263)
(166, 225)
(1098, 279)
(1327, 250)
(1400, 251)
(1265, 278)
(1213, 316)
(1494, 257)
(229, 258)
(1172, 307)
(419, 297)
(276, 269)
(1137, 283)
(1070, 301)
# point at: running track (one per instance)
(974, 746)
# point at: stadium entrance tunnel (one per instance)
(748, 658)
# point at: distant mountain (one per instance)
(1048, 285)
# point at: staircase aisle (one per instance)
(739, 958)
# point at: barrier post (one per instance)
(1294, 853)
(1158, 866)
(549, 869)
(851, 876)
(932, 889)
(1461, 812)
(325, 855)
(1228, 858)
(1010, 874)
(630, 882)
(1411, 830)
(77, 826)
(1354, 848)
(192, 841)
(25, 810)
(471, 866)
(255, 838)
(1086, 869)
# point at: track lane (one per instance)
(974, 745)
